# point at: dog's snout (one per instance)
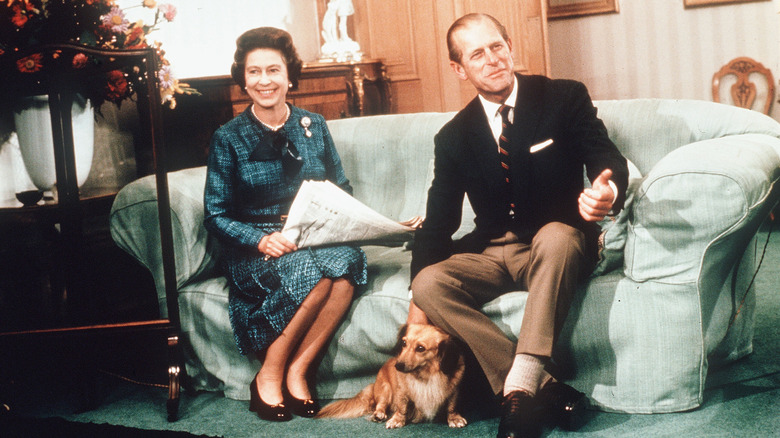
(400, 366)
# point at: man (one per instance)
(517, 151)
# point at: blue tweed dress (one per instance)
(264, 295)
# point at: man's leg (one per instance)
(556, 264)
(557, 258)
(452, 292)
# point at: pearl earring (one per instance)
(289, 85)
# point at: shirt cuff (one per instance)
(614, 190)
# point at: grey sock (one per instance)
(527, 374)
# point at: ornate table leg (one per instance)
(384, 90)
(357, 93)
(174, 371)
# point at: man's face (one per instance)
(486, 60)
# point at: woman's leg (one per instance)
(317, 336)
(271, 376)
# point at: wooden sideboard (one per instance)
(335, 90)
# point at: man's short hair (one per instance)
(466, 20)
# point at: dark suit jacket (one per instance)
(545, 184)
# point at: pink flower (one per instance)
(115, 20)
(168, 11)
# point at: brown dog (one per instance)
(419, 383)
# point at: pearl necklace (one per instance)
(272, 128)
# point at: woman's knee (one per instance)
(319, 294)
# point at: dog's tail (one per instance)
(354, 407)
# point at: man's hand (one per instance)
(596, 202)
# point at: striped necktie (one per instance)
(503, 148)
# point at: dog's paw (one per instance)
(379, 416)
(396, 421)
(456, 420)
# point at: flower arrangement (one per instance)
(25, 24)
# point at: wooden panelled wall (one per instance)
(410, 36)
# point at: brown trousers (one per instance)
(452, 292)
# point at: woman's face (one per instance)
(266, 78)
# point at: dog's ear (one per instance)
(449, 355)
(399, 342)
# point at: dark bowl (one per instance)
(29, 197)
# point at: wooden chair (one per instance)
(744, 90)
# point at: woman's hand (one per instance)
(414, 222)
(275, 245)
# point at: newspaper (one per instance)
(323, 214)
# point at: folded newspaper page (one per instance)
(323, 214)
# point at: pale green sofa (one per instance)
(639, 338)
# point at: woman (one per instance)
(284, 303)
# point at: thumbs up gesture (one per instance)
(595, 202)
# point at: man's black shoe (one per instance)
(565, 406)
(520, 416)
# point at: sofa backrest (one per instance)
(645, 130)
(388, 159)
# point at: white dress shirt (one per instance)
(492, 114)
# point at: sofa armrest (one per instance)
(712, 193)
(135, 227)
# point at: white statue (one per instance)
(338, 45)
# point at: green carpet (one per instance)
(58, 427)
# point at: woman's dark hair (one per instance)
(266, 38)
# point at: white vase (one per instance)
(33, 127)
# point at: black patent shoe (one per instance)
(565, 406)
(520, 416)
(303, 408)
(264, 410)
